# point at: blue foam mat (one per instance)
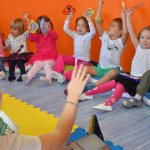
(80, 133)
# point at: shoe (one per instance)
(2, 75)
(103, 107)
(132, 102)
(11, 78)
(46, 80)
(89, 86)
(85, 97)
(58, 76)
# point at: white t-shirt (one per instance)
(19, 142)
(111, 51)
(15, 43)
(140, 62)
(82, 43)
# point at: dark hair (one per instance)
(17, 24)
(85, 21)
(143, 29)
(38, 20)
(119, 21)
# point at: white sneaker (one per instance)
(103, 107)
(58, 76)
(85, 97)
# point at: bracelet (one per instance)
(69, 102)
(99, 20)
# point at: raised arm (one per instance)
(62, 132)
(99, 27)
(125, 30)
(66, 25)
(91, 25)
(130, 28)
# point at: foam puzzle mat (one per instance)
(29, 120)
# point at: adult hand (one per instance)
(78, 82)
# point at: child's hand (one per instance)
(69, 16)
(78, 82)
(129, 12)
(88, 17)
(26, 16)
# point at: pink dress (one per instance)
(45, 45)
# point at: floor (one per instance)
(129, 128)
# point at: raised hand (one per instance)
(129, 12)
(69, 16)
(78, 82)
(26, 16)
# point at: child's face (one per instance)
(14, 32)
(114, 29)
(145, 39)
(81, 27)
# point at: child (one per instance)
(46, 52)
(140, 64)
(18, 48)
(82, 37)
(113, 42)
(141, 89)
(2, 58)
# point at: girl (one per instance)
(46, 52)
(18, 48)
(2, 58)
(85, 31)
(140, 64)
(113, 42)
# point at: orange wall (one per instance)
(11, 9)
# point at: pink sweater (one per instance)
(46, 46)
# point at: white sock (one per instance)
(138, 97)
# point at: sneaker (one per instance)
(132, 102)
(89, 86)
(58, 76)
(103, 107)
(85, 97)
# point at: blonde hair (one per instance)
(17, 24)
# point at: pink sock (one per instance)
(102, 88)
(116, 95)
